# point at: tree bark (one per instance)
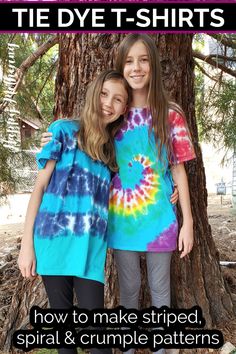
(197, 279)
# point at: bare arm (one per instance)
(26, 260)
(186, 233)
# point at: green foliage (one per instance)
(34, 98)
(7, 180)
(215, 104)
(216, 112)
(198, 42)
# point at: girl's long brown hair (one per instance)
(94, 137)
(157, 100)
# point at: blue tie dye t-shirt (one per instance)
(70, 227)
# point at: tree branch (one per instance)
(46, 80)
(214, 63)
(224, 40)
(204, 71)
(27, 63)
(220, 56)
(32, 100)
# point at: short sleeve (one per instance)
(181, 142)
(53, 149)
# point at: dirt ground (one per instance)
(222, 218)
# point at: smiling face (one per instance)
(113, 99)
(137, 67)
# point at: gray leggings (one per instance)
(158, 270)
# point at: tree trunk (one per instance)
(197, 279)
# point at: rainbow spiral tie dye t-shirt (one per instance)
(70, 227)
(141, 216)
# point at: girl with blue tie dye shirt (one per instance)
(65, 229)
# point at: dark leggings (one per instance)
(90, 295)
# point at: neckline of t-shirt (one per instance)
(138, 108)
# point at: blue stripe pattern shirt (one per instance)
(70, 227)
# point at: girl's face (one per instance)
(137, 67)
(113, 99)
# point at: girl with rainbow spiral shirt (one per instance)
(151, 147)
